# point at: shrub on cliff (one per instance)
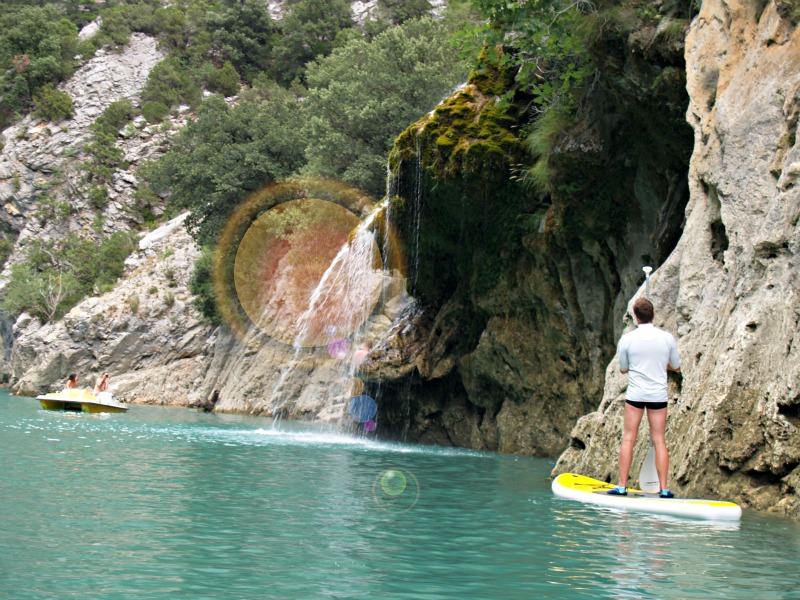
(309, 29)
(55, 275)
(223, 80)
(170, 84)
(37, 47)
(52, 104)
(243, 33)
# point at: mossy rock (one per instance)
(469, 206)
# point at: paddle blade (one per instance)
(648, 476)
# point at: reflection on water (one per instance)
(165, 503)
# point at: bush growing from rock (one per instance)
(55, 275)
(171, 85)
(117, 115)
(52, 104)
(155, 112)
(224, 80)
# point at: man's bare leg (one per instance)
(657, 419)
(633, 417)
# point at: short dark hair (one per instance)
(643, 309)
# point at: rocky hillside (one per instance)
(145, 331)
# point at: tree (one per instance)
(243, 34)
(308, 30)
(229, 152)
(52, 104)
(366, 93)
(171, 85)
(37, 47)
(55, 275)
(543, 44)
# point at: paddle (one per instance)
(648, 475)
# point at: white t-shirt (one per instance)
(644, 353)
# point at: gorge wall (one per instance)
(521, 290)
(521, 295)
(729, 290)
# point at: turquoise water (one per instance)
(170, 503)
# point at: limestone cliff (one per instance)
(520, 293)
(729, 290)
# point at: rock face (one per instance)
(145, 332)
(39, 155)
(148, 335)
(520, 292)
(729, 291)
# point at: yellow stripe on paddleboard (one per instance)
(573, 486)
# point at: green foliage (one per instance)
(244, 34)
(98, 196)
(37, 47)
(155, 112)
(55, 275)
(50, 209)
(546, 51)
(224, 80)
(550, 127)
(364, 94)
(6, 247)
(227, 152)
(104, 155)
(201, 285)
(52, 104)
(116, 115)
(128, 16)
(309, 30)
(171, 85)
(398, 12)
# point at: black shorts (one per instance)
(649, 405)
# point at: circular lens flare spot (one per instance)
(396, 490)
(370, 426)
(354, 386)
(339, 348)
(393, 482)
(305, 271)
(363, 408)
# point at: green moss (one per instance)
(469, 205)
(491, 76)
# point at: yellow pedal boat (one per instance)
(81, 400)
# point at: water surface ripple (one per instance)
(170, 503)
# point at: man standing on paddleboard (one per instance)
(645, 354)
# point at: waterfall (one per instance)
(416, 208)
(336, 315)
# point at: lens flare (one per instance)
(304, 269)
(354, 386)
(363, 408)
(396, 490)
(296, 261)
